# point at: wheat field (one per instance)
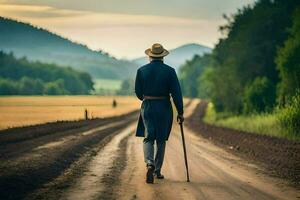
(18, 111)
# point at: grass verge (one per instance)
(266, 124)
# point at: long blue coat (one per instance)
(156, 116)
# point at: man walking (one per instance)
(154, 84)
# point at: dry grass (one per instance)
(27, 110)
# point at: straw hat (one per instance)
(156, 51)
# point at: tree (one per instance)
(53, 88)
(259, 96)
(190, 72)
(288, 62)
(8, 87)
(205, 87)
(87, 79)
(247, 51)
(127, 87)
(30, 86)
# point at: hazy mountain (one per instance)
(39, 44)
(179, 55)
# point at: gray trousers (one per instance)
(158, 160)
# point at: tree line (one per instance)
(255, 66)
(18, 76)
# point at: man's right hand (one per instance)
(180, 119)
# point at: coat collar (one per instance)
(156, 61)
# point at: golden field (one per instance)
(27, 110)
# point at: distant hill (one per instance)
(39, 44)
(179, 55)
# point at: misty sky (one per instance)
(124, 28)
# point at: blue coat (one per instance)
(156, 116)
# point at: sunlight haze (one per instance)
(126, 28)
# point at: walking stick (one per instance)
(184, 151)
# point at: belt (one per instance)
(155, 97)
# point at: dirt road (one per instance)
(33, 158)
(104, 160)
(214, 174)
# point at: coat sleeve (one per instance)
(175, 91)
(138, 85)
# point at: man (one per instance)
(154, 84)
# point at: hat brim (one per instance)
(163, 54)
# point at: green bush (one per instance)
(29, 86)
(8, 87)
(289, 117)
(259, 96)
(53, 88)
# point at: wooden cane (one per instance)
(184, 151)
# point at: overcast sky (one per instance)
(124, 28)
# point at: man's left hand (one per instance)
(180, 119)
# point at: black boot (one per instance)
(149, 175)
(158, 175)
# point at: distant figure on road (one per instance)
(153, 85)
(114, 104)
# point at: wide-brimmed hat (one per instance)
(156, 51)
